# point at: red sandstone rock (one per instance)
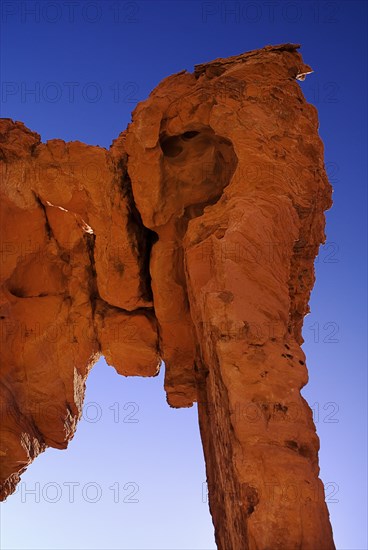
(75, 285)
(191, 240)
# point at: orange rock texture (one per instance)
(192, 241)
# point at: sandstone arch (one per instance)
(191, 240)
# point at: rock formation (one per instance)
(192, 241)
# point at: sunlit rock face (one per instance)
(75, 285)
(191, 240)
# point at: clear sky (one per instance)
(75, 70)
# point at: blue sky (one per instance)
(75, 70)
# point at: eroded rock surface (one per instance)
(75, 285)
(191, 240)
